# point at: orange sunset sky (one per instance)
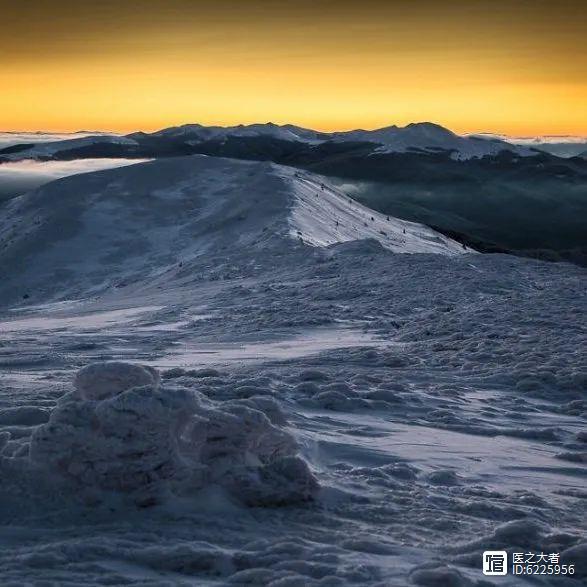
(517, 66)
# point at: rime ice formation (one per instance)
(99, 381)
(119, 431)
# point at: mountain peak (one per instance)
(415, 137)
(429, 127)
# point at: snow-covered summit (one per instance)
(427, 136)
(414, 132)
(197, 132)
(86, 232)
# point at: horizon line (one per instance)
(349, 129)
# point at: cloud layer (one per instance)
(19, 177)
(8, 139)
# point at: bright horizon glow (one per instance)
(471, 66)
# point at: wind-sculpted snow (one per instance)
(457, 427)
(120, 431)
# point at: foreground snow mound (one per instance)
(120, 431)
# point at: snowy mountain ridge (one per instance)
(198, 132)
(87, 232)
(323, 216)
(559, 145)
(207, 379)
(425, 136)
(414, 138)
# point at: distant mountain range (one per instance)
(422, 137)
(484, 191)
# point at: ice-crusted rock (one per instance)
(524, 533)
(441, 576)
(106, 379)
(443, 477)
(282, 481)
(576, 555)
(120, 431)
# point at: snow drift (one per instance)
(120, 431)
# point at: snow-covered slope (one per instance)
(87, 231)
(394, 404)
(322, 216)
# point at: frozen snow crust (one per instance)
(120, 431)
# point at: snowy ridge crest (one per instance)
(147, 221)
(322, 216)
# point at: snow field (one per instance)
(422, 408)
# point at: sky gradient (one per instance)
(515, 66)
